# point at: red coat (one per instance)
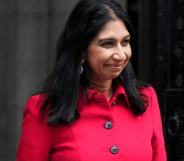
(90, 138)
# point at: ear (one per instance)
(82, 61)
(83, 57)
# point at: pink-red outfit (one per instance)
(106, 131)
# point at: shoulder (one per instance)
(148, 95)
(33, 105)
(33, 100)
(148, 91)
(153, 105)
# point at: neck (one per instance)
(102, 87)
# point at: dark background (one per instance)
(28, 35)
(160, 62)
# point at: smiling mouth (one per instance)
(115, 66)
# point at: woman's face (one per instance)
(109, 52)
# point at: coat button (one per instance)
(114, 149)
(113, 103)
(108, 125)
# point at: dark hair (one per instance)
(61, 89)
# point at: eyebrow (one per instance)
(127, 36)
(105, 39)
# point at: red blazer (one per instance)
(106, 131)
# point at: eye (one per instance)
(125, 42)
(107, 44)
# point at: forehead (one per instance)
(113, 28)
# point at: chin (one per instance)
(113, 77)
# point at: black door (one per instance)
(174, 78)
(160, 62)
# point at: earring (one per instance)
(81, 70)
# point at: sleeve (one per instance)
(158, 143)
(35, 140)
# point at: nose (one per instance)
(119, 53)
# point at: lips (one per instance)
(114, 65)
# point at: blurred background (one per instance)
(28, 34)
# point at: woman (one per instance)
(92, 107)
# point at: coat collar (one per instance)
(119, 91)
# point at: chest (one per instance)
(104, 132)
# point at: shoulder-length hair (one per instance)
(61, 89)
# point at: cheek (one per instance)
(92, 58)
(97, 55)
(129, 52)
